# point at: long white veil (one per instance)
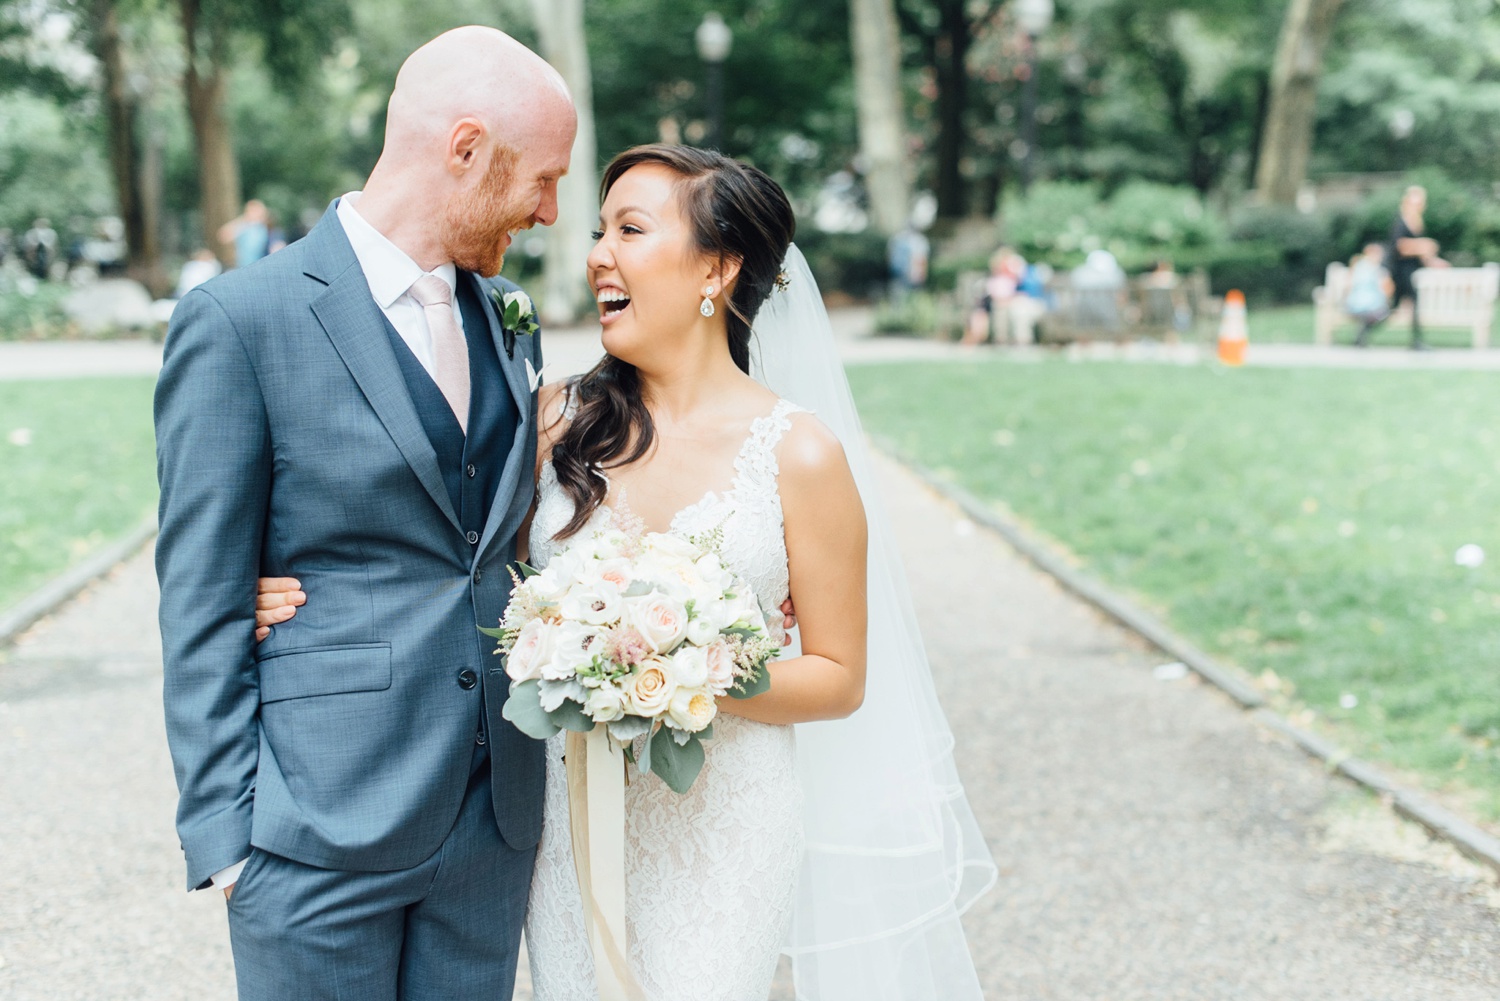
(894, 854)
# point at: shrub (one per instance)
(1280, 254)
(853, 263)
(32, 311)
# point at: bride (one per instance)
(828, 822)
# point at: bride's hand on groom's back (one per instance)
(276, 601)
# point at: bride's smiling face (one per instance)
(646, 270)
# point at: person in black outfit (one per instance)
(1408, 251)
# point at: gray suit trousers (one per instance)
(442, 930)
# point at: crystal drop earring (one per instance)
(707, 309)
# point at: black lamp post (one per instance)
(714, 39)
(1034, 17)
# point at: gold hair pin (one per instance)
(783, 281)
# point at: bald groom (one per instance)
(350, 412)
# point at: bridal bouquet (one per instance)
(636, 632)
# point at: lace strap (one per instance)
(755, 467)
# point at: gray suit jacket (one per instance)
(288, 443)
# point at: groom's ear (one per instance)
(465, 140)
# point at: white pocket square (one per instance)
(533, 377)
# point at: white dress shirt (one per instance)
(390, 274)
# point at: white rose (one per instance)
(576, 646)
(701, 629)
(720, 660)
(660, 621)
(670, 546)
(595, 601)
(616, 571)
(650, 691)
(553, 582)
(533, 648)
(692, 710)
(711, 569)
(745, 610)
(523, 299)
(690, 667)
(606, 704)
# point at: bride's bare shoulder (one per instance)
(810, 454)
(553, 414)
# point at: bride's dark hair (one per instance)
(737, 214)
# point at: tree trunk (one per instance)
(142, 237)
(1287, 141)
(951, 62)
(877, 91)
(205, 81)
(565, 292)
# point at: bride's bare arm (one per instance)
(826, 540)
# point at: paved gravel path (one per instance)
(1154, 842)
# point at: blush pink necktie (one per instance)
(450, 352)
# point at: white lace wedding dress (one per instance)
(711, 875)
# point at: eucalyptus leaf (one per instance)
(527, 571)
(524, 709)
(677, 766)
(644, 761)
(494, 633)
(570, 716)
(757, 686)
(627, 728)
(637, 589)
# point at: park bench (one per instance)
(1447, 297)
(1139, 309)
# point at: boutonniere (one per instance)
(517, 316)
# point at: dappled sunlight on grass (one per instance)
(1301, 523)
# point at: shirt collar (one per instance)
(388, 269)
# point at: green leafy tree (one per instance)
(291, 37)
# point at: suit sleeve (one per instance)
(214, 467)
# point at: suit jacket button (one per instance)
(478, 575)
(471, 470)
(473, 538)
(467, 679)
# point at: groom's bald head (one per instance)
(479, 73)
(478, 132)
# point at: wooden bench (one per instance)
(1447, 297)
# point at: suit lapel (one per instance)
(515, 373)
(520, 389)
(355, 325)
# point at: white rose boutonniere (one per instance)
(517, 316)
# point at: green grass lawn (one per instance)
(1294, 325)
(77, 469)
(1298, 522)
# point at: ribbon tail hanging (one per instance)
(596, 810)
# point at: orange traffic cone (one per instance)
(1233, 334)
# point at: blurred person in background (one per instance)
(907, 255)
(1099, 284)
(991, 314)
(250, 233)
(39, 248)
(1370, 290)
(1409, 250)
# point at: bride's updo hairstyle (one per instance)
(737, 214)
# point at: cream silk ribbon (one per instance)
(596, 811)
